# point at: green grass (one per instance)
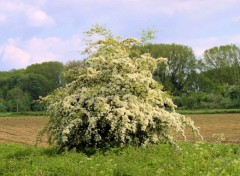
(194, 159)
(208, 111)
(17, 114)
(181, 111)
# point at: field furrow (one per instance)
(213, 127)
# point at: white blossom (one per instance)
(115, 102)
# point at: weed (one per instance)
(194, 159)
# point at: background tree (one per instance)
(74, 68)
(3, 107)
(18, 100)
(180, 76)
(37, 80)
(223, 63)
(148, 35)
(51, 70)
(36, 85)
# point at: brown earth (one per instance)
(218, 127)
(213, 127)
(22, 130)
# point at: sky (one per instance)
(35, 31)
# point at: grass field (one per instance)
(197, 159)
(208, 111)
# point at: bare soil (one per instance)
(22, 130)
(213, 127)
(218, 127)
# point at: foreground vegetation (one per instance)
(194, 159)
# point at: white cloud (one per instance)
(11, 7)
(27, 11)
(180, 21)
(201, 44)
(38, 18)
(3, 18)
(194, 8)
(52, 48)
(236, 19)
(13, 57)
(170, 7)
(19, 53)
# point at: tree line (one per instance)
(212, 81)
(20, 89)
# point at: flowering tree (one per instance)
(114, 102)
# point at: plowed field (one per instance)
(21, 129)
(219, 127)
(213, 127)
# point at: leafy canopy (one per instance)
(115, 102)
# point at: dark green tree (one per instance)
(223, 64)
(17, 100)
(36, 85)
(51, 70)
(182, 65)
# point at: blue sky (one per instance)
(51, 30)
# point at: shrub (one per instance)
(114, 103)
(2, 107)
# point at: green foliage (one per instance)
(216, 74)
(224, 64)
(115, 102)
(208, 111)
(24, 113)
(37, 80)
(72, 69)
(180, 75)
(148, 35)
(233, 93)
(36, 84)
(51, 70)
(2, 108)
(202, 100)
(194, 159)
(17, 100)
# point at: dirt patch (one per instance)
(213, 127)
(218, 127)
(22, 129)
